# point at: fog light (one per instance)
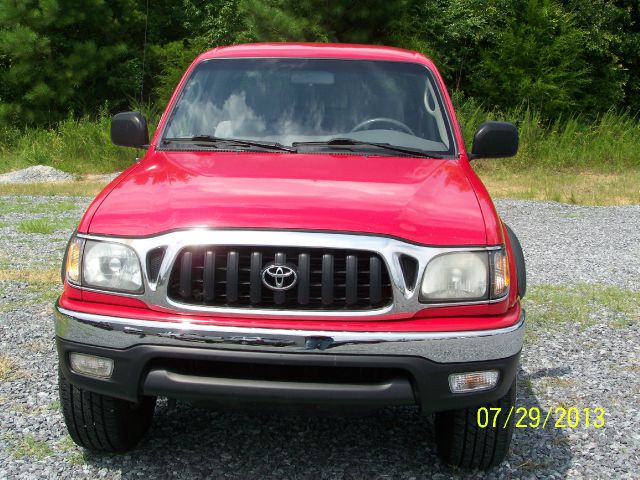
(91, 365)
(473, 381)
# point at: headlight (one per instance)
(111, 266)
(466, 277)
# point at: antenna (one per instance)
(144, 51)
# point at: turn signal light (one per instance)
(473, 381)
(91, 365)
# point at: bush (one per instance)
(609, 142)
(73, 145)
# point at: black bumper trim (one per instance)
(424, 383)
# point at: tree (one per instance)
(350, 21)
(454, 33)
(628, 50)
(539, 60)
(54, 56)
(75, 55)
(205, 25)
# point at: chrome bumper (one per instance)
(443, 347)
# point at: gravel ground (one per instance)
(567, 366)
(44, 173)
(38, 173)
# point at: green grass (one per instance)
(74, 145)
(45, 226)
(76, 189)
(39, 225)
(14, 205)
(74, 455)
(576, 187)
(43, 286)
(30, 446)
(581, 305)
(609, 143)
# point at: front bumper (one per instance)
(231, 364)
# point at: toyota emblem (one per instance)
(279, 277)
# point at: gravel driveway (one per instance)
(594, 364)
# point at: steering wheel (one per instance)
(391, 121)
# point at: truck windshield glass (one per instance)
(298, 100)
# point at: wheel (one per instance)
(521, 270)
(462, 443)
(390, 121)
(103, 424)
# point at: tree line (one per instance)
(560, 57)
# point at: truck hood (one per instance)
(421, 200)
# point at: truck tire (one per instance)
(521, 271)
(462, 443)
(103, 424)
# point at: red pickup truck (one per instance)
(305, 230)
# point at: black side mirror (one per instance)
(129, 129)
(495, 139)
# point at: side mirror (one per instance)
(129, 129)
(495, 139)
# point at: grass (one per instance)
(81, 188)
(577, 187)
(43, 286)
(569, 160)
(610, 142)
(74, 455)
(8, 369)
(38, 225)
(74, 145)
(28, 410)
(30, 446)
(20, 206)
(551, 305)
(46, 226)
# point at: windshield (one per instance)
(294, 100)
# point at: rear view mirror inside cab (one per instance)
(313, 78)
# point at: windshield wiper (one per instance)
(347, 142)
(215, 141)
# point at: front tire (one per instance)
(103, 424)
(462, 443)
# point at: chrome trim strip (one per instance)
(405, 300)
(119, 333)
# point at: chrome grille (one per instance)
(326, 279)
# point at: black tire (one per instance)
(103, 424)
(462, 443)
(519, 259)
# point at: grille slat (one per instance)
(185, 275)
(327, 279)
(352, 280)
(255, 282)
(232, 276)
(208, 275)
(304, 277)
(375, 279)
